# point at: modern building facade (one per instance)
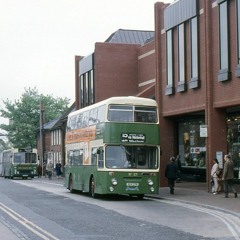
(197, 48)
(116, 68)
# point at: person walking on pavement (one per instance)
(228, 176)
(171, 173)
(215, 168)
(58, 169)
(49, 169)
(39, 170)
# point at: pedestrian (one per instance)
(228, 172)
(58, 169)
(39, 170)
(171, 173)
(214, 177)
(49, 169)
(44, 169)
(179, 165)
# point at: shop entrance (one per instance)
(192, 150)
(233, 141)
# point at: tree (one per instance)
(24, 116)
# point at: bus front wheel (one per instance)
(92, 188)
(140, 196)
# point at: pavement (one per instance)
(194, 193)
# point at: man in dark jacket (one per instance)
(171, 173)
(227, 177)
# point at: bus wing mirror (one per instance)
(99, 151)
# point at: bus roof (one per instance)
(119, 100)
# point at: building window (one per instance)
(169, 88)
(82, 91)
(181, 53)
(223, 41)
(51, 137)
(92, 99)
(87, 89)
(181, 59)
(59, 137)
(194, 82)
(238, 37)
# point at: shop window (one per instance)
(233, 141)
(192, 148)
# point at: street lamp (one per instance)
(42, 132)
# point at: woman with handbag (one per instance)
(214, 170)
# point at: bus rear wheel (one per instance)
(92, 188)
(71, 184)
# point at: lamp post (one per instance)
(42, 133)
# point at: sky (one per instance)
(40, 39)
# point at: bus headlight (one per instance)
(111, 189)
(150, 182)
(152, 189)
(114, 182)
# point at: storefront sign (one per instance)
(133, 137)
(219, 157)
(203, 131)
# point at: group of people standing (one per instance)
(226, 176)
(49, 168)
(173, 171)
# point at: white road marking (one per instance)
(26, 223)
(232, 222)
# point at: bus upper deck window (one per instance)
(120, 113)
(145, 114)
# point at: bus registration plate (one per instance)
(132, 184)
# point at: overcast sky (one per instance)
(39, 39)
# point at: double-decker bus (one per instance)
(19, 162)
(112, 147)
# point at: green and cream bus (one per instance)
(19, 162)
(112, 147)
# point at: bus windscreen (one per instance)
(137, 157)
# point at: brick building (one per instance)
(197, 48)
(123, 65)
(192, 69)
(191, 65)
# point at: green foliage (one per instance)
(24, 116)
